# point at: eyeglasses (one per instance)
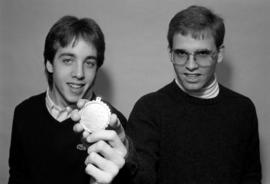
(203, 58)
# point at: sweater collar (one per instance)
(209, 92)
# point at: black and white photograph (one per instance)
(134, 92)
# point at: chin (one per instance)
(193, 87)
(72, 99)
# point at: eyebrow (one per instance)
(91, 57)
(199, 50)
(203, 50)
(66, 54)
(73, 55)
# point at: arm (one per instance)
(107, 151)
(143, 129)
(16, 160)
(252, 169)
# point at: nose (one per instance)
(191, 64)
(78, 70)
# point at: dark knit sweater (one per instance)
(187, 140)
(44, 150)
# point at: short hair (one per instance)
(198, 21)
(68, 29)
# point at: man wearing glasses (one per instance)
(194, 130)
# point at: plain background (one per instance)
(137, 60)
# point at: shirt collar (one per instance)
(57, 112)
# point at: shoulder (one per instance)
(158, 97)
(27, 111)
(237, 99)
(154, 102)
(31, 103)
(230, 94)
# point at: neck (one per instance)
(61, 103)
(209, 91)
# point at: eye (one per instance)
(67, 60)
(203, 53)
(180, 53)
(91, 63)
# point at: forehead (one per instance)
(188, 42)
(78, 47)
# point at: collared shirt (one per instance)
(210, 91)
(57, 112)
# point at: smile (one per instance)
(192, 77)
(192, 74)
(75, 85)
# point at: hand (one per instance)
(106, 155)
(107, 152)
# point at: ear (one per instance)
(170, 53)
(49, 66)
(220, 53)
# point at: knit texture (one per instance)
(187, 140)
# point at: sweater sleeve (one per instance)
(143, 130)
(16, 159)
(252, 169)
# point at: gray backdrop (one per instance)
(137, 60)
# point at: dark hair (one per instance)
(199, 22)
(68, 29)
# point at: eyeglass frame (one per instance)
(195, 55)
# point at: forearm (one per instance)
(252, 171)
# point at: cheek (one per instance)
(209, 72)
(60, 74)
(90, 75)
(178, 70)
(208, 76)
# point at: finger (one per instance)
(85, 134)
(116, 125)
(106, 135)
(78, 128)
(75, 115)
(98, 175)
(111, 138)
(115, 155)
(114, 121)
(81, 103)
(101, 169)
(102, 148)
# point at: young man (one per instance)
(194, 130)
(44, 148)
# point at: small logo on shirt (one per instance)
(81, 147)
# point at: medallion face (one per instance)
(95, 115)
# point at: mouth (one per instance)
(76, 86)
(192, 77)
